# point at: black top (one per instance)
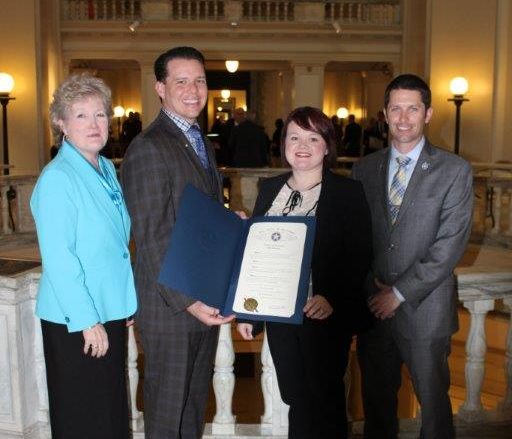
(342, 250)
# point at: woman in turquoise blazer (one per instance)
(87, 292)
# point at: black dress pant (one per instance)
(310, 362)
(87, 395)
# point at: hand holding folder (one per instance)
(257, 268)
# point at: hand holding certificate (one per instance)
(258, 268)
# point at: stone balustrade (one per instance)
(384, 13)
(15, 192)
(493, 210)
(478, 293)
(492, 214)
(23, 393)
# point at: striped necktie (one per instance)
(198, 145)
(398, 186)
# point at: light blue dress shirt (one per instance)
(414, 155)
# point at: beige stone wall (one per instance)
(362, 93)
(463, 35)
(19, 24)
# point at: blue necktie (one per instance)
(398, 186)
(198, 145)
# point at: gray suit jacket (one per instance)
(157, 166)
(419, 252)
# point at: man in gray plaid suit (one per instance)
(178, 334)
(421, 201)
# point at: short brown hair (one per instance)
(312, 119)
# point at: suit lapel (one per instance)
(271, 192)
(383, 172)
(421, 170)
(92, 182)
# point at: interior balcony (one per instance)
(362, 30)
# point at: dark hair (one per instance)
(312, 119)
(409, 81)
(183, 52)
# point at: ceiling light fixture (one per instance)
(232, 65)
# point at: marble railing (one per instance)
(23, 393)
(478, 293)
(15, 192)
(384, 13)
(492, 214)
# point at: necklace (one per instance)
(295, 200)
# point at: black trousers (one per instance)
(310, 362)
(87, 395)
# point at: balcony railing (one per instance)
(384, 13)
(492, 215)
(24, 403)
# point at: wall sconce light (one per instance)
(458, 87)
(232, 65)
(119, 113)
(342, 113)
(6, 86)
(225, 94)
(134, 25)
(336, 26)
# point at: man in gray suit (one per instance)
(421, 201)
(178, 334)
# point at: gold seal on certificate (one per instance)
(251, 304)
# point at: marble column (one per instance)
(308, 84)
(472, 409)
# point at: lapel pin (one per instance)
(424, 166)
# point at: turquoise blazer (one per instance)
(83, 238)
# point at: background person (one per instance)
(86, 290)
(248, 142)
(352, 137)
(311, 358)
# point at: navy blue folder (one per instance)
(204, 254)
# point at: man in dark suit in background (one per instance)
(382, 129)
(421, 200)
(179, 334)
(248, 142)
(352, 137)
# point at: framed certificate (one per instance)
(258, 268)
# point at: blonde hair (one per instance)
(75, 88)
